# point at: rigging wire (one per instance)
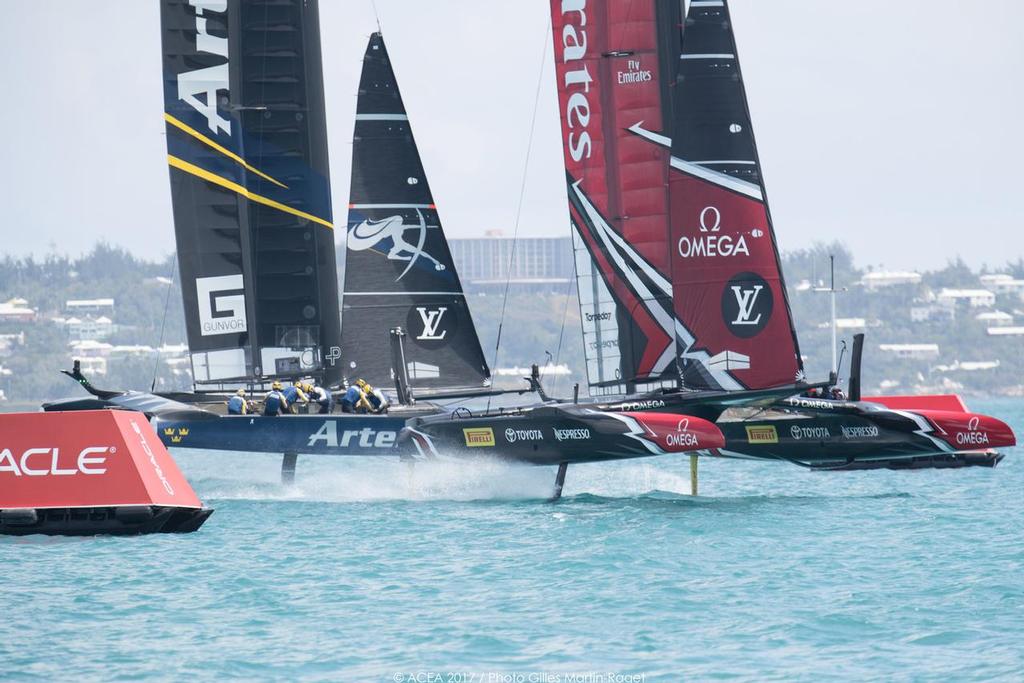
(561, 331)
(522, 194)
(376, 16)
(163, 322)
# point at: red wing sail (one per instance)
(609, 59)
(735, 329)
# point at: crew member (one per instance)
(237, 404)
(374, 397)
(275, 403)
(838, 394)
(354, 400)
(295, 395)
(322, 397)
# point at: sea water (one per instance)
(457, 573)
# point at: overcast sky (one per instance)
(894, 126)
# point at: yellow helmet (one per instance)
(276, 386)
(361, 383)
(307, 387)
(240, 392)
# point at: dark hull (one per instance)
(111, 521)
(560, 434)
(840, 435)
(926, 462)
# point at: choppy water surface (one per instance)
(358, 573)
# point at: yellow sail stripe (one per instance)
(223, 150)
(235, 187)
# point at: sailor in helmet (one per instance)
(275, 403)
(321, 396)
(374, 397)
(295, 395)
(354, 400)
(237, 404)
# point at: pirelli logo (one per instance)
(479, 437)
(762, 434)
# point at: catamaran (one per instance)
(247, 152)
(679, 278)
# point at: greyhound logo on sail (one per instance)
(746, 304)
(221, 303)
(203, 84)
(369, 234)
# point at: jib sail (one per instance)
(399, 270)
(247, 149)
(735, 329)
(613, 61)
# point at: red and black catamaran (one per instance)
(680, 284)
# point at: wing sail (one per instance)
(247, 153)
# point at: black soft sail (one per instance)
(399, 271)
(734, 326)
(247, 150)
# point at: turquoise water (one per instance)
(358, 573)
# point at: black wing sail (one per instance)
(399, 270)
(247, 149)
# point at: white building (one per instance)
(86, 329)
(969, 366)
(915, 351)
(1003, 283)
(93, 365)
(889, 278)
(975, 298)
(16, 310)
(995, 318)
(90, 347)
(848, 324)
(1006, 331)
(930, 312)
(8, 342)
(89, 307)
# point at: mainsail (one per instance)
(399, 271)
(734, 329)
(614, 60)
(247, 149)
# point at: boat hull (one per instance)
(557, 434)
(345, 434)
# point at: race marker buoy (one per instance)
(90, 472)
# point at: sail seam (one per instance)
(710, 55)
(742, 186)
(393, 206)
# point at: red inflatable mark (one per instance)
(98, 458)
(680, 433)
